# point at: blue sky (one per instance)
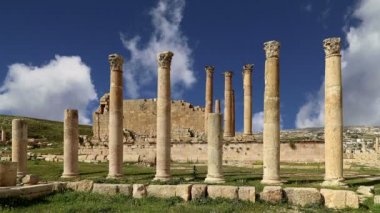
(44, 45)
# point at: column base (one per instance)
(334, 183)
(276, 182)
(114, 176)
(210, 179)
(162, 178)
(69, 176)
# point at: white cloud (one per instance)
(258, 121)
(141, 68)
(45, 91)
(361, 71)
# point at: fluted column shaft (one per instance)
(115, 125)
(247, 86)
(70, 144)
(19, 144)
(209, 92)
(333, 112)
(228, 131)
(271, 131)
(163, 117)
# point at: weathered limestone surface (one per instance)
(30, 179)
(139, 191)
(333, 113)
(376, 200)
(70, 144)
(163, 117)
(125, 189)
(8, 173)
(162, 191)
(108, 189)
(184, 191)
(115, 124)
(228, 117)
(229, 192)
(209, 92)
(3, 135)
(272, 194)
(340, 199)
(271, 130)
(303, 196)
(247, 193)
(19, 143)
(198, 191)
(217, 106)
(247, 86)
(367, 191)
(214, 149)
(82, 186)
(233, 113)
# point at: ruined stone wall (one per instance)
(140, 118)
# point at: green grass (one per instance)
(39, 128)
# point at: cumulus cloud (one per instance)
(45, 91)
(258, 121)
(141, 68)
(361, 73)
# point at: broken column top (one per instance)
(228, 73)
(164, 59)
(247, 68)
(332, 46)
(272, 49)
(209, 68)
(116, 61)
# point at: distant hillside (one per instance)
(39, 128)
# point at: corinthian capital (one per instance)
(228, 74)
(331, 46)
(247, 68)
(209, 70)
(272, 49)
(116, 61)
(164, 59)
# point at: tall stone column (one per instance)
(163, 117)
(217, 106)
(228, 131)
(115, 124)
(3, 135)
(333, 113)
(209, 92)
(19, 143)
(214, 149)
(271, 131)
(70, 144)
(377, 144)
(247, 86)
(233, 111)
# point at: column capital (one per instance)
(228, 74)
(248, 68)
(164, 59)
(272, 49)
(209, 70)
(116, 61)
(332, 46)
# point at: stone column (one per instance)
(247, 86)
(233, 111)
(163, 143)
(3, 135)
(333, 113)
(19, 143)
(70, 144)
(115, 124)
(271, 131)
(217, 106)
(209, 92)
(228, 132)
(377, 144)
(214, 149)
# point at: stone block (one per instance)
(247, 193)
(6, 192)
(303, 196)
(131, 158)
(376, 199)
(125, 189)
(30, 179)
(161, 191)
(139, 191)
(8, 173)
(83, 185)
(229, 192)
(198, 191)
(340, 199)
(108, 189)
(184, 191)
(34, 191)
(367, 191)
(272, 194)
(59, 186)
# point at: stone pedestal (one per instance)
(115, 125)
(247, 86)
(214, 149)
(217, 106)
(8, 173)
(271, 131)
(333, 113)
(70, 144)
(228, 117)
(209, 92)
(163, 117)
(19, 143)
